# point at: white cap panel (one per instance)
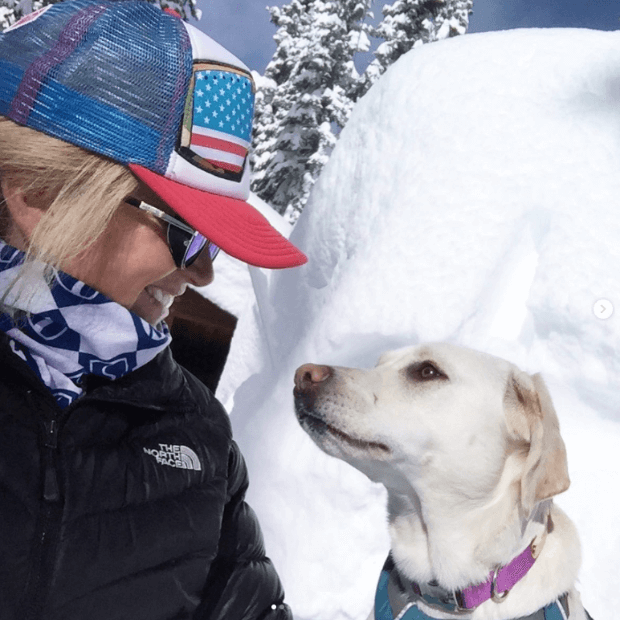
(182, 171)
(205, 48)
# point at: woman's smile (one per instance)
(153, 304)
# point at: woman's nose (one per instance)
(200, 272)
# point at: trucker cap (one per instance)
(127, 80)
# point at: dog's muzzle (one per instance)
(312, 411)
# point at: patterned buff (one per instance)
(72, 331)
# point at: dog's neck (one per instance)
(455, 540)
(457, 550)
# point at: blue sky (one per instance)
(244, 28)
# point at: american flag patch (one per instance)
(221, 117)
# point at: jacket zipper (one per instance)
(51, 491)
(48, 527)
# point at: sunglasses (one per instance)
(184, 242)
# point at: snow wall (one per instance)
(474, 198)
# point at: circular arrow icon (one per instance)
(603, 309)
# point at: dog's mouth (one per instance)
(315, 425)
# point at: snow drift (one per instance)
(474, 197)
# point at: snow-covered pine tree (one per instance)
(12, 10)
(303, 99)
(409, 23)
(310, 86)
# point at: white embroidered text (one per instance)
(180, 457)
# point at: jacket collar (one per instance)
(159, 385)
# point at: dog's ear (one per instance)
(531, 418)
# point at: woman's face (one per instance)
(131, 263)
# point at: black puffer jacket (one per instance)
(127, 505)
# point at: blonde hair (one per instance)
(79, 191)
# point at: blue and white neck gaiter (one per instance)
(67, 330)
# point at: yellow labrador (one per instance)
(469, 449)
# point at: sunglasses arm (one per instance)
(144, 206)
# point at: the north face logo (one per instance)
(180, 457)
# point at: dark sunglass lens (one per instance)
(186, 248)
(196, 246)
(179, 242)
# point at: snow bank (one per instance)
(474, 197)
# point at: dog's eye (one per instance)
(425, 371)
(429, 371)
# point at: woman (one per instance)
(122, 491)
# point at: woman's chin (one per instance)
(149, 309)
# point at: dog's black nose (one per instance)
(308, 376)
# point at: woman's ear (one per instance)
(23, 215)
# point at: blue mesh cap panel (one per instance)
(42, 68)
(23, 45)
(136, 57)
(11, 76)
(19, 48)
(97, 126)
(112, 80)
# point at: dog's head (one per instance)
(437, 418)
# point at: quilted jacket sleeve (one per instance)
(243, 583)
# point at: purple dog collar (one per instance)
(496, 587)
(500, 581)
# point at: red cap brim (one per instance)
(233, 225)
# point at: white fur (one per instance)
(453, 464)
